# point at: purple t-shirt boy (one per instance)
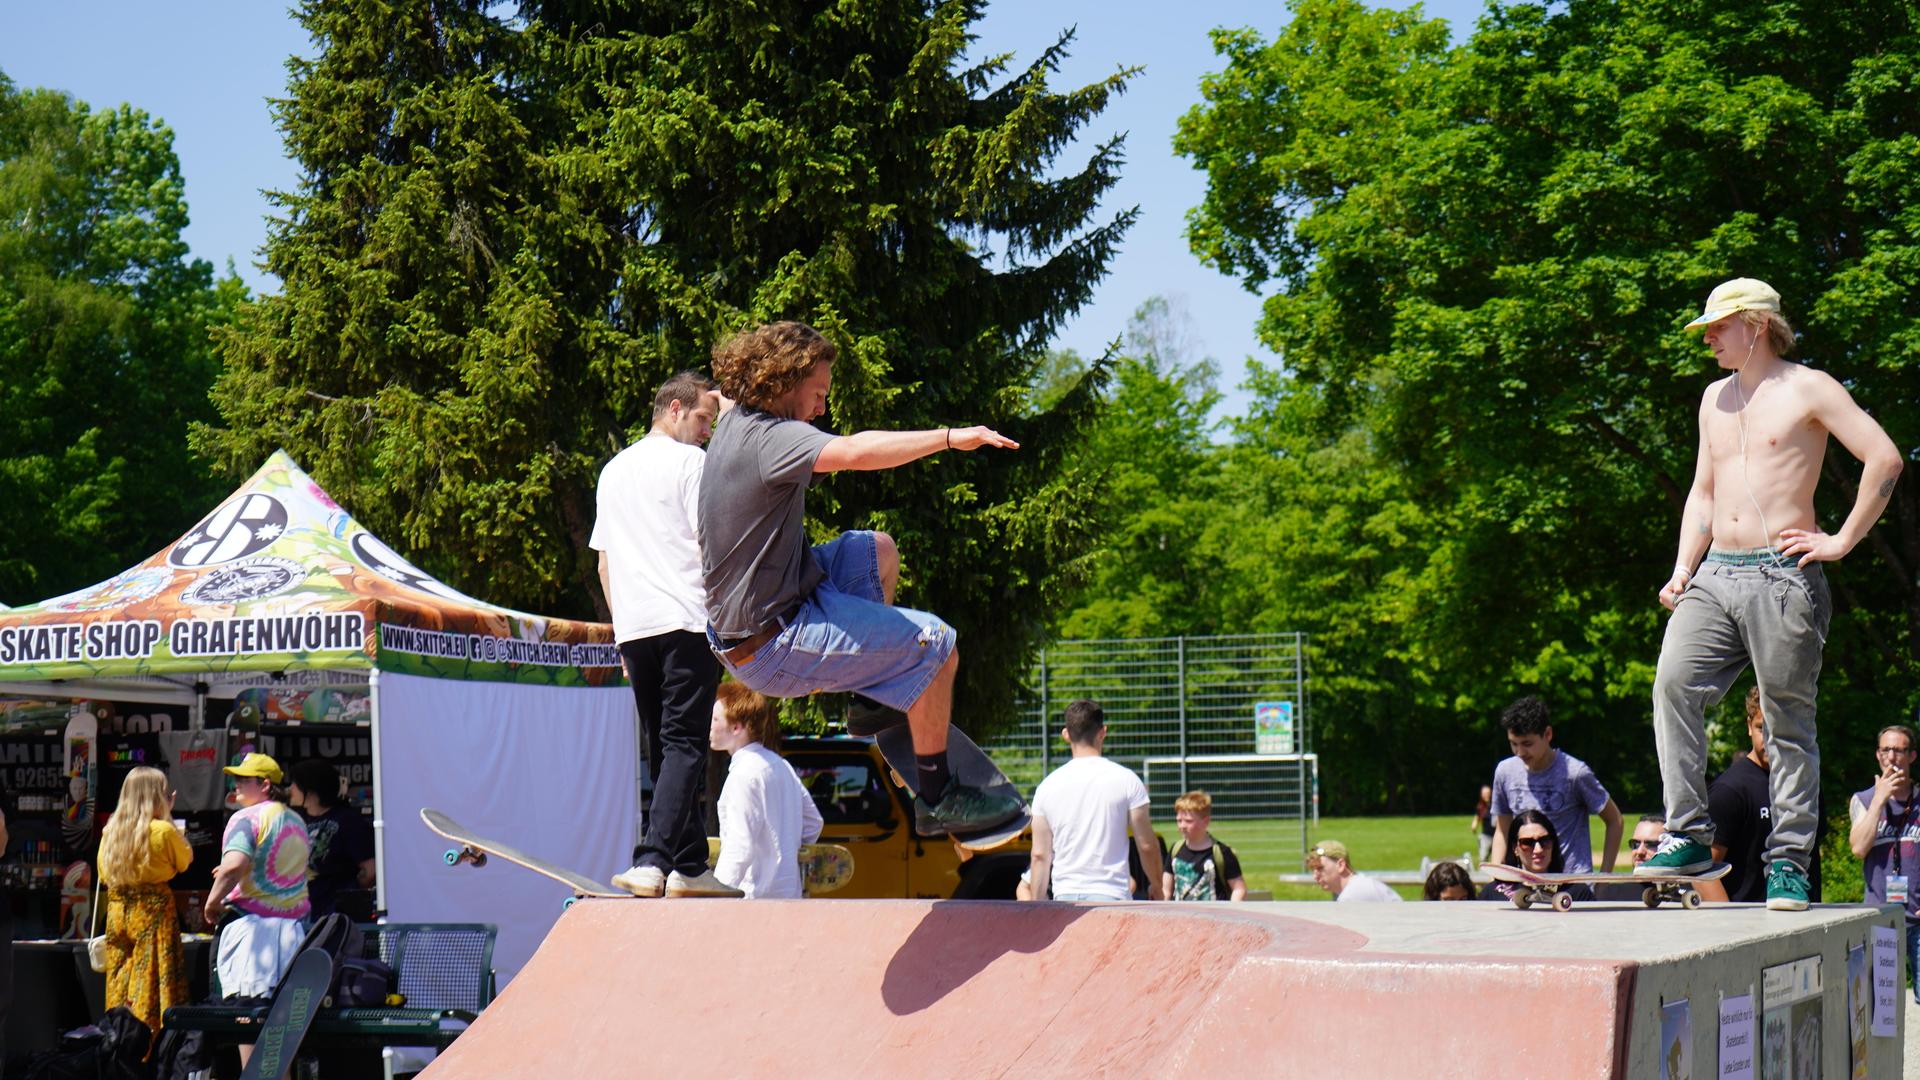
(1566, 791)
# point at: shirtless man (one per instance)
(1760, 596)
(791, 619)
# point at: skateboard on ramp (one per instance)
(1655, 888)
(474, 850)
(824, 868)
(970, 765)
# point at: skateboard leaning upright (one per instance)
(474, 850)
(1655, 888)
(969, 765)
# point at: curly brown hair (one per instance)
(757, 367)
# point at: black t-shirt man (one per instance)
(339, 841)
(1739, 801)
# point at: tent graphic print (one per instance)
(279, 578)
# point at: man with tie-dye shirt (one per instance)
(262, 879)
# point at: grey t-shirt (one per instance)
(1566, 791)
(753, 533)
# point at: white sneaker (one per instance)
(704, 885)
(642, 881)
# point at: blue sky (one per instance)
(207, 68)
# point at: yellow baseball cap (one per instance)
(259, 765)
(1740, 294)
(1328, 849)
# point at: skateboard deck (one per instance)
(970, 765)
(1654, 888)
(824, 868)
(475, 848)
(300, 995)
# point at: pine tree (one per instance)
(509, 232)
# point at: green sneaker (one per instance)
(1786, 887)
(964, 808)
(1679, 854)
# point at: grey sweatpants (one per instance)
(1776, 619)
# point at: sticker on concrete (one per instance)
(1790, 1020)
(1886, 981)
(1736, 1038)
(1676, 1041)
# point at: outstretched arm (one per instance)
(869, 450)
(1865, 440)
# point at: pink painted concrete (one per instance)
(923, 988)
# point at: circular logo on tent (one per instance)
(387, 562)
(239, 528)
(254, 579)
(128, 587)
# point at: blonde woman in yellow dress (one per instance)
(140, 852)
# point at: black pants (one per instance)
(674, 677)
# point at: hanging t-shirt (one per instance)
(1086, 803)
(275, 838)
(1895, 850)
(193, 762)
(1566, 791)
(338, 842)
(1204, 874)
(647, 521)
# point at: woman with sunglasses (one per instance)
(1536, 848)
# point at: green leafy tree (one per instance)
(1152, 449)
(510, 230)
(104, 351)
(1484, 255)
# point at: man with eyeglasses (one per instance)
(1886, 833)
(1640, 847)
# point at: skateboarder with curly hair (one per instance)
(791, 619)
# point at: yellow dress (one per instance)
(146, 970)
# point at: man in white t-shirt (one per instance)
(1334, 872)
(646, 530)
(1081, 813)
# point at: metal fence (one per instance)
(1181, 712)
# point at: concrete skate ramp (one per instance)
(922, 988)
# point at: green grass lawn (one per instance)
(1269, 847)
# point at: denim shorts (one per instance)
(845, 637)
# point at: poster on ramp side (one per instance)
(1676, 1041)
(1790, 1021)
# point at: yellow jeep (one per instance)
(862, 808)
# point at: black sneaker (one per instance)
(866, 717)
(964, 809)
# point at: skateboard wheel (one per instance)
(569, 902)
(1523, 899)
(1562, 901)
(1650, 896)
(1690, 900)
(453, 856)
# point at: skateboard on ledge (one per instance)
(1655, 888)
(474, 850)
